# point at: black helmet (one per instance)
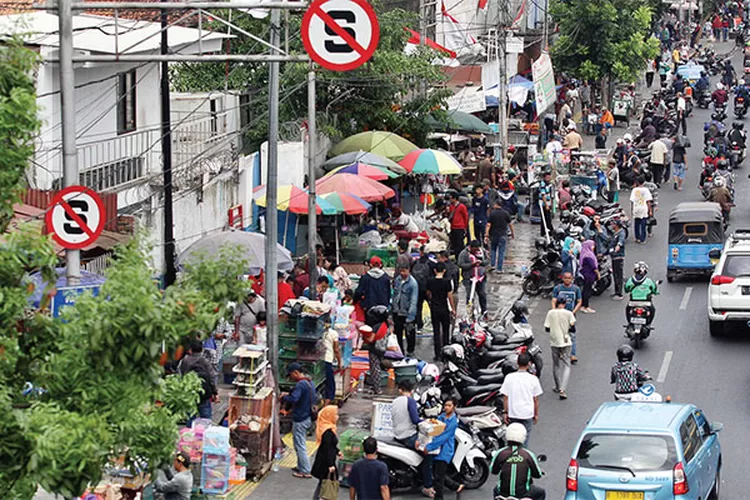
(520, 307)
(722, 164)
(625, 353)
(453, 353)
(716, 117)
(648, 121)
(738, 125)
(560, 234)
(540, 243)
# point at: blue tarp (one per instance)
(65, 294)
(515, 81)
(690, 71)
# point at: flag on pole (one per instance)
(455, 36)
(416, 37)
(517, 21)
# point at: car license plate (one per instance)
(624, 495)
(746, 290)
(638, 321)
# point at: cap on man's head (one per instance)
(376, 261)
(252, 293)
(293, 367)
(475, 244)
(183, 457)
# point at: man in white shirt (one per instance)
(640, 206)
(682, 112)
(521, 391)
(658, 160)
(559, 323)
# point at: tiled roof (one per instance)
(19, 6)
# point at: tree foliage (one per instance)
(381, 95)
(603, 39)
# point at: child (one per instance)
(260, 329)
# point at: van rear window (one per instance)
(633, 452)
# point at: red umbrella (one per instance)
(367, 189)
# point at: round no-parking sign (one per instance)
(340, 35)
(75, 217)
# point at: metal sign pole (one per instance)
(312, 216)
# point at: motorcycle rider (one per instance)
(515, 466)
(729, 74)
(719, 96)
(626, 374)
(720, 194)
(703, 82)
(647, 135)
(737, 134)
(713, 128)
(640, 287)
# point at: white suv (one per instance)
(729, 289)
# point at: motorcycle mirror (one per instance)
(542, 457)
(659, 282)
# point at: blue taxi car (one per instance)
(646, 451)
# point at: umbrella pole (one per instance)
(336, 225)
(286, 227)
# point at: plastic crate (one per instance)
(287, 324)
(288, 341)
(351, 444)
(405, 370)
(215, 473)
(347, 349)
(311, 328)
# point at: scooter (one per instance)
(469, 465)
(545, 272)
(704, 99)
(740, 107)
(484, 423)
(639, 315)
(605, 278)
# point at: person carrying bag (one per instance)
(324, 467)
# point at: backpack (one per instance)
(206, 383)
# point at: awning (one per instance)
(459, 121)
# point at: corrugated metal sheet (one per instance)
(42, 198)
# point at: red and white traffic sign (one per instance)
(340, 35)
(75, 217)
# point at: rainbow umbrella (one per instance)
(431, 161)
(293, 199)
(367, 189)
(364, 170)
(347, 203)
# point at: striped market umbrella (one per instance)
(364, 157)
(367, 189)
(381, 143)
(293, 199)
(364, 170)
(431, 161)
(347, 203)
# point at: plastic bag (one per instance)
(392, 343)
(370, 239)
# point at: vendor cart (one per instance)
(622, 108)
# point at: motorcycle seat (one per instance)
(483, 372)
(472, 390)
(504, 347)
(639, 303)
(492, 356)
(473, 410)
(491, 379)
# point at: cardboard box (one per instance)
(431, 427)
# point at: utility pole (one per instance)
(272, 182)
(170, 274)
(68, 112)
(502, 98)
(312, 216)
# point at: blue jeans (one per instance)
(528, 423)
(573, 347)
(426, 465)
(204, 411)
(497, 251)
(640, 229)
(330, 387)
(521, 210)
(725, 33)
(299, 433)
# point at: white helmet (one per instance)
(719, 182)
(515, 433)
(627, 138)
(741, 82)
(719, 86)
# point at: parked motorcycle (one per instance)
(545, 271)
(605, 277)
(484, 423)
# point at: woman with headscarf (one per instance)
(589, 268)
(569, 255)
(324, 466)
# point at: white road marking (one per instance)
(664, 366)
(686, 298)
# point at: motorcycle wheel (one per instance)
(637, 342)
(601, 285)
(475, 478)
(538, 364)
(532, 286)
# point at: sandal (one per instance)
(427, 492)
(460, 488)
(563, 395)
(301, 475)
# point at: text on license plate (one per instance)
(746, 290)
(624, 495)
(638, 321)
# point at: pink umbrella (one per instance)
(367, 189)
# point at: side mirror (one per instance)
(716, 427)
(714, 254)
(542, 457)
(659, 282)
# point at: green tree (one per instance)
(381, 95)
(606, 40)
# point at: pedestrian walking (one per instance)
(545, 201)
(496, 234)
(480, 207)
(445, 442)
(658, 160)
(585, 94)
(559, 323)
(573, 302)
(404, 309)
(374, 287)
(302, 398)
(682, 112)
(613, 182)
(440, 293)
(368, 478)
(331, 354)
(458, 215)
(197, 363)
(246, 316)
(403, 259)
(589, 270)
(421, 270)
(617, 254)
(473, 262)
(324, 466)
(640, 206)
(451, 269)
(650, 71)
(679, 162)
(521, 391)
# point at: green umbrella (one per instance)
(385, 144)
(461, 121)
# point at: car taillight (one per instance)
(679, 481)
(571, 482)
(721, 280)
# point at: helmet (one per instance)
(478, 338)
(741, 82)
(515, 433)
(624, 353)
(453, 353)
(722, 164)
(627, 138)
(640, 267)
(519, 307)
(588, 211)
(719, 182)
(737, 125)
(648, 121)
(540, 243)
(431, 370)
(560, 234)
(719, 86)
(716, 117)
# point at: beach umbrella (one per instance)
(364, 157)
(367, 189)
(346, 203)
(431, 161)
(293, 199)
(364, 170)
(386, 144)
(252, 246)
(459, 120)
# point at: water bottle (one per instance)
(361, 384)
(276, 460)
